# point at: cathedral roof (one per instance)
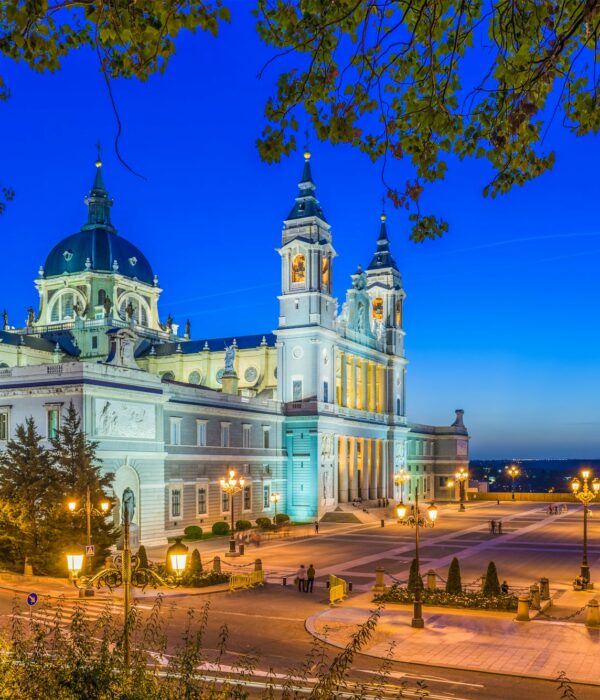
(383, 256)
(213, 345)
(97, 247)
(306, 203)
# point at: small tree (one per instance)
(195, 564)
(142, 557)
(491, 585)
(414, 578)
(454, 582)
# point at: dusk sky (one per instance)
(501, 314)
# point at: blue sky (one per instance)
(501, 315)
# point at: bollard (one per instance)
(545, 589)
(379, 586)
(592, 618)
(241, 549)
(431, 580)
(382, 522)
(534, 592)
(284, 581)
(258, 565)
(349, 586)
(483, 581)
(523, 608)
(217, 564)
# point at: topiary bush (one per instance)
(142, 557)
(454, 582)
(414, 578)
(242, 525)
(491, 585)
(281, 519)
(195, 568)
(263, 523)
(467, 599)
(193, 532)
(220, 528)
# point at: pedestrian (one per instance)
(310, 578)
(301, 578)
(499, 527)
(504, 588)
(493, 527)
(316, 527)
(497, 501)
(379, 502)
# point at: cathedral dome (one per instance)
(97, 247)
(98, 250)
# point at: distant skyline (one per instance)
(501, 314)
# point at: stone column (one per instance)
(384, 390)
(364, 486)
(379, 468)
(343, 469)
(372, 387)
(352, 470)
(372, 469)
(344, 398)
(365, 370)
(354, 382)
(386, 491)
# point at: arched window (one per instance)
(298, 269)
(63, 307)
(325, 272)
(168, 376)
(378, 308)
(140, 311)
(399, 312)
(101, 297)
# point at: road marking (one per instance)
(243, 614)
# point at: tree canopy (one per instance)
(410, 81)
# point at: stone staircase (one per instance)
(347, 513)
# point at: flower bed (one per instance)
(467, 599)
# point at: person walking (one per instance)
(310, 578)
(316, 527)
(504, 588)
(499, 527)
(301, 578)
(493, 527)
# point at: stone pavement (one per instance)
(478, 641)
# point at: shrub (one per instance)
(193, 532)
(243, 525)
(195, 563)
(454, 583)
(220, 528)
(263, 523)
(491, 585)
(142, 557)
(468, 599)
(414, 578)
(281, 519)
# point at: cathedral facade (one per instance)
(314, 411)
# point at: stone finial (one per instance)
(41, 271)
(153, 350)
(206, 347)
(264, 340)
(88, 263)
(115, 265)
(458, 421)
(178, 349)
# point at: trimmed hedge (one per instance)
(281, 518)
(193, 532)
(473, 600)
(142, 557)
(241, 525)
(454, 582)
(220, 528)
(491, 585)
(263, 523)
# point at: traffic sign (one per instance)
(32, 599)
(89, 550)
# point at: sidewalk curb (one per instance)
(310, 628)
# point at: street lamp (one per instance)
(275, 500)
(586, 495)
(461, 476)
(513, 471)
(400, 479)
(232, 485)
(128, 573)
(416, 520)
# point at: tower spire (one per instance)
(383, 256)
(306, 203)
(98, 202)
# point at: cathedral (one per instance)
(312, 413)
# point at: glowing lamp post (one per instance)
(399, 480)
(275, 500)
(585, 495)
(513, 471)
(232, 485)
(461, 476)
(416, 520)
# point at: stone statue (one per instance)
(5, 319)
(229, 358)
(77, 309)
(170, 323)
(128, 502)
(30, 316)
(360, 317)
(129, 311)
(188, 328)
(107, 305)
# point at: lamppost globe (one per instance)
(72, 505)
(582, 491)
(74, 564)
(596, 486)
(461, 476)
(231, 486)
(432, 512)
(178, 557)
(575, 485)
(401, 511)
(104, 506)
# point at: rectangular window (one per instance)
(3, 425)
(201, 501)
(225, 507)
(175, 431)
(246, 435)
(94, 342)
(53, 422)
(266, 436)
(266, 496)
(247, 497)
(297, 390)
(175, 503)
(225, 434)
(398, 407)
(201, 433)
(325, 392)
